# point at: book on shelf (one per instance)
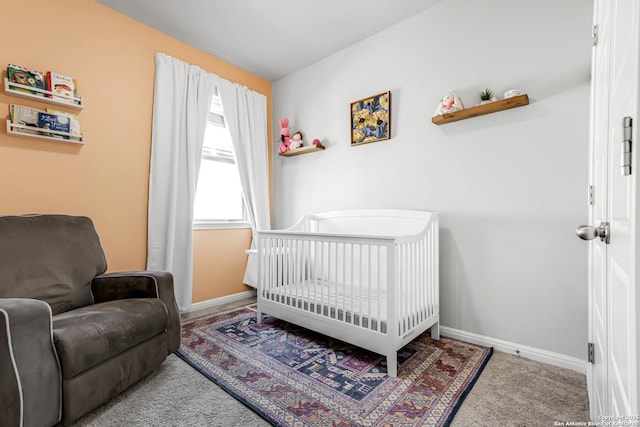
(74, 123)
(62, 87)
(55, 122)
(21, 115)
(38, 122)
(26, 77)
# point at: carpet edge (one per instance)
(464, 394)
(265, 416)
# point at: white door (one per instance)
(613, 294)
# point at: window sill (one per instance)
(220, 225)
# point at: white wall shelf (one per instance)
(19, 130)
(42, 95)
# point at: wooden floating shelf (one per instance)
(480, 110)
(47, 96)
(302, 150)
(13, 129)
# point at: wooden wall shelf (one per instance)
(302, 150)
(480, 110)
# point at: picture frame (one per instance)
(371, 119)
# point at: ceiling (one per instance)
(269, 38)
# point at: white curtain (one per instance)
(181, 103)
(245, 113)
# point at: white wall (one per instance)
(510, 187)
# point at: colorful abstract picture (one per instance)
(371, 119)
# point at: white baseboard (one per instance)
(544, 356)
(219, 301)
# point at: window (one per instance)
(219, 202)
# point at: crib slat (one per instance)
(400, 286)
(336, 266)
(434, 268)
(272, 267)
(415, 310)
(392, 292)
(276, 271)
(312, 289)
(360, 290)
(279, 254)
(405, 290)
(409, 285)
(288, 257)
(353, 312)
(344, 282)
(417, 284)
(379, 283)
(423, 282)
(425, 279)
(425, 272)
(412, 284)
(366, 283)
(310, 276)
(430, 266)
(299, 261)
(294, 272)
(319, 290)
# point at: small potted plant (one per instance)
(487, 96)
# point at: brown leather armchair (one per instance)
(72, 337)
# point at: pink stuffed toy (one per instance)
(284, 135)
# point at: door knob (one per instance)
(588, 232)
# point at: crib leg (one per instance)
(392, 364)
(435, 331)
(258, 316)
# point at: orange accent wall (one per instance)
(112, 58)
(217, 264)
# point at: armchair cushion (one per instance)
(87, 336)
(52, 258)
(139, 284)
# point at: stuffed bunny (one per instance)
(284, 135)
(448, 104)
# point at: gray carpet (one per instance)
(174, 395)
(510, 392)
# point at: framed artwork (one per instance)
(371, 119)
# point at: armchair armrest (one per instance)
(31, 386)
(142, 284)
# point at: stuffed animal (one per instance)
(448, 104)
(284, 135)
(316, 142)
(296, 140)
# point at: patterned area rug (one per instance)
(294, 377)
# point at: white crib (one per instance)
(366, 277)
